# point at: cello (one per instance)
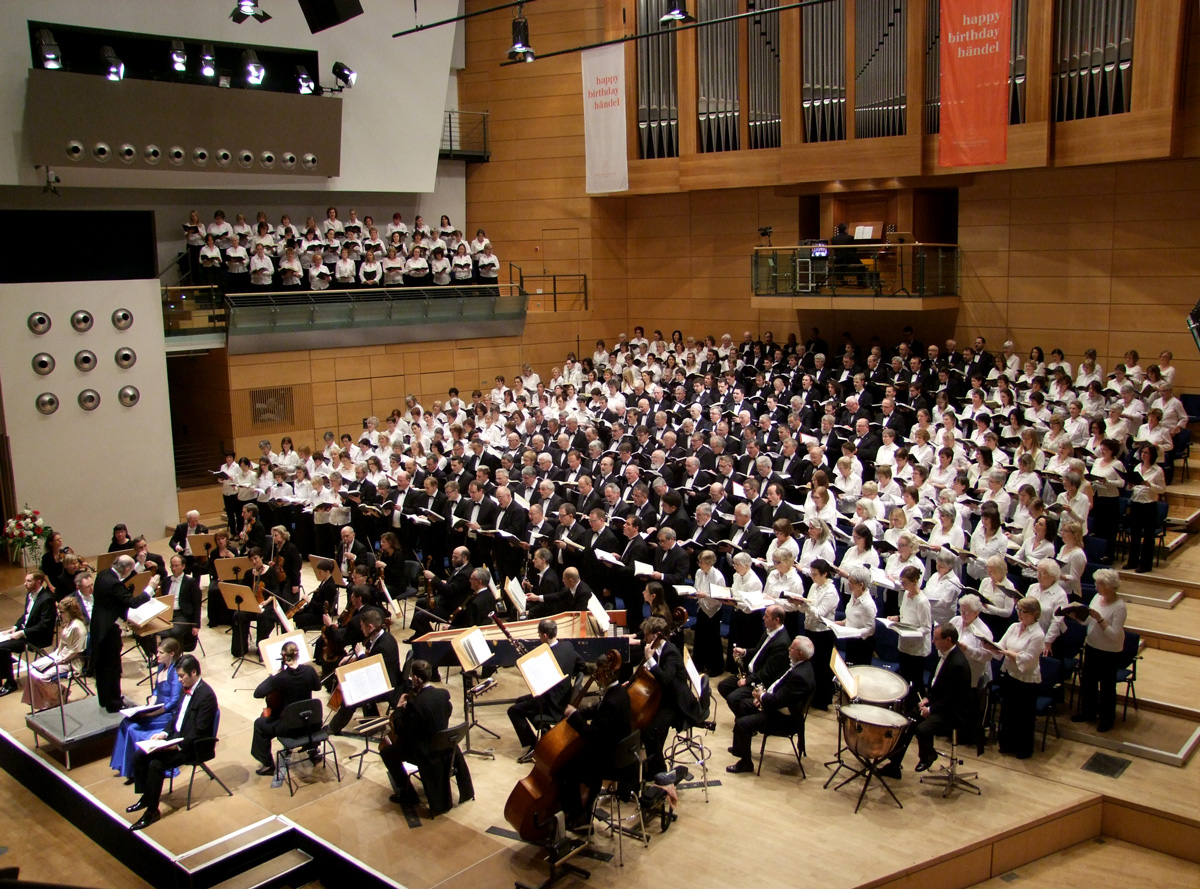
(533, 802)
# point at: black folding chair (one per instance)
(205, 751)
(301, 729)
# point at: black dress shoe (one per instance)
(146, 820)
(1081, 717)
(924, 764)
(1128, 566)
(742, 765)
(136, 807)
(7, 688)
(731, 750)
(128, 781)
(891, 770)
(265, 770)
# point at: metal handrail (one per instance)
(465, 134)
(313, 298)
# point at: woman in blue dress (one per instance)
(138, 728)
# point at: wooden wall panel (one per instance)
(1097, 257)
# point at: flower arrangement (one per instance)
(27, 531)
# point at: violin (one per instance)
(534, 800)
(280, 571)
(332, 651)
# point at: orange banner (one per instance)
(974, 82)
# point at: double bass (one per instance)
(534, 800)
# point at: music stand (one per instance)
(846, 682)
(201, 545)
(900, 239)
(337, 569)
(473, 652)
(104, 561)
(238, 597)
(364, 680)
(161, 623)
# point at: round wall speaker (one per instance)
(125, 358)
(39, 322)
(224, 156)
(46, 403)
(75, 150)
(101, 152)
(89, 399)
(122, 319)
(176, 155)
(309, 161)
(127, 153)
(288, 161)
(152, 154)
(199, 156)
(129, 396)
(85, 360)
(267, 159)
(82, 320)
(246, 158)
(43, 363)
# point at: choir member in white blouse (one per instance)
(819, 606)
(986, 541)
(1023, 476)
(480, 242)
(291, 273)
(866, 512)
(462, 268)
(914, 613)
(783, 586)
(1050, 595)
(860, 616)
(370, 273)
(1037, 546)
(943, 587)
(262, 269)
(817, 545)
(344, 271)
(995, 493)
(393, 268)
(440, 267)
(947, 530)
(1148, 483)
(1105, 622)
(1089, 370)
(971, 633)
(1021, 649)
(782, 538)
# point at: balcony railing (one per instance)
(281, 320)
(861, 269)
(552, 293)
(465, 136)
(190, 310)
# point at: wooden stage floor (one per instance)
(1028, 809)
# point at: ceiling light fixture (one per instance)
(48, 48)
(115, 68)
(520, 51)
(208, 60)
(247, 9)
(676, 14)
(255, 72)
(344, 74)
(307, 85)
(178, 55)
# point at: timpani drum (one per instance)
(871, 732)
(879, 687)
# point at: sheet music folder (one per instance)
(364, 680)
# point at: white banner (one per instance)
(604, 119)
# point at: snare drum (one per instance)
(871, 732)
(879, 687)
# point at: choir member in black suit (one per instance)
(778, 706)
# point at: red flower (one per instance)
(35, 512)
(20, 533)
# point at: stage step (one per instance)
(1183, 515)
(1175, 630)
(1097, 861)
(1161, 583)
(1166, 683)
(271, 873)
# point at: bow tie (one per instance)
(188, 693)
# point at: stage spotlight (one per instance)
(51, 56)
(344, 74)
(208, 60)
(247, 9)
(520, 51)
(255, 72)
(677, 13)
(178, 56)
(115, 68)
(307, 85)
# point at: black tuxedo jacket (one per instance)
(112, 601)
(753, 541)
(426, 713)
(773, 660)
(39, 628)
(797, 685)
(199, 721)
(951, 696)
(672, 678)
(179, 537)
(187, 605)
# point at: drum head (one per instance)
(879, 686)
(871, 715)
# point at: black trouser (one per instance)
(233, 513)
(525, 709)
(706, 644)
(9, 650)
(859, 652)
(265, 622)
(740, 698)
(108, 671)
(265, 729)
(746, 727)
(823, 642)
(1143, 521)
(1018, 716)
(1105, 517)
(925, 730)
(1098, 686)
(912, 669)
(149, 771)
(654, 736)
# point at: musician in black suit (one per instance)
(602, 725)
(778, 707)
(376, 640)
(187, 597)
(283, 548)
(112, 600)
(678, 705)
(294, 682)
(448, 595)
(551, 704)
(254, 532)
(423, 712)
(351, 551)
(144, 560)
(763, 664)
(323, 600)
(179, 541)
(949, 704)
(34, 627)
(192, 719)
